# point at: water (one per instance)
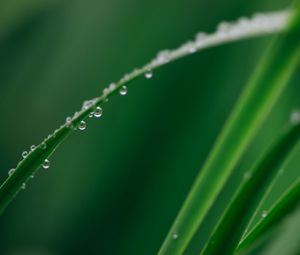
(123, 90)
(46, 164)
(82, 125)
(98, 112)
(149, 74)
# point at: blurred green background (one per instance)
(116, 187)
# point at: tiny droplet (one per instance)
(24, 154)
(264, 214)
(11, 171)
(295, 117)
(23, 186)
(175, 236)
(149, 74)
(32, 148)
(46, 164)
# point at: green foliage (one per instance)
(125, 204)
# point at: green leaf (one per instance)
(284, 206)
(245, 201)
(275, 22)
(255, 103)
(287, 241)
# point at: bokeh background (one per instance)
(116, 187)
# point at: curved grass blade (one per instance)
(287, 241)
(256, 101)
(284, 206)
(248, 196)
(256, 26)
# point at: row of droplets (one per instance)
(226, 31)
(123, 90)
(25, 154)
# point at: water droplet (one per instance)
(149, 74)
(163, 57)
(123, 91)
(24, 154)
(247, 176)
(295, 117)
(112, 87)
(224, 27)
(175, 236)
(105, 92)
(281, 171)
(82, 125)
(11, 171)
(264, 214)
(32, 176)
(69, 122)
(91, 115)
(44, 146)
(192, 49)
(32, 148)
(23, 186)
(46, 164)
(98, 112)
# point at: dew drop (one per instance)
(149, 74)
(91, 115)
(23, 186)
(32, 148)
(105, 92)
(11, 171)
(192, 49)
(46, 164)
(247, 176)
(24, 154)
(69, 121)
(175, 236)
(32, 176)
(98, 112)
(123, 91)
(264, 214)
(44, 146)
(112, 87)
(82, 125)
(295, 117)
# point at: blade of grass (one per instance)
(249, 194)
(273, 22)
(256, 101)
(284, 206)
(287, 241)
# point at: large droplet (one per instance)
(123, 90)
(98, 112)
(149, 74)
(82, 125)
(24, 154)
(46, 164)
